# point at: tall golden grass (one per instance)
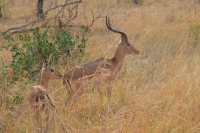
(156, 92)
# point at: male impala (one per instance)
(102, 69)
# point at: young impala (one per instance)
(39, 92)
(39, 98)
(102, 69)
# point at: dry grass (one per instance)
(157, 91)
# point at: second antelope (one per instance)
(102, 69)
(39, 98)
(39, 92)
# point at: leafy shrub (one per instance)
(17, 99)
(30, 50)
(195, 32)
(3, 82)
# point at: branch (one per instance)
(35, 23)
(62, 6)
(25, 27)
(20, 28)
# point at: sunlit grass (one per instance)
(156, 92)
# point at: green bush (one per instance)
(3, 83)
(30, 50)
(195, 32)
(17, 99)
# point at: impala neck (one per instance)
(119, 56)
(44, 81)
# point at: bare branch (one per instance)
(62, 6)
(26, 27)
(35, 23)
(20, 28)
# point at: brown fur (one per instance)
(40, 101)
(38, 95)
(104, 70)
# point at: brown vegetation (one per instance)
(156, 92)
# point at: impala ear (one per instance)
(45, 62)
(44, 65)
(49, 61)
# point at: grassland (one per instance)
(156, 92)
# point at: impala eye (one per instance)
(51, 70)
(37, 99)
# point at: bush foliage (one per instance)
(30, 50)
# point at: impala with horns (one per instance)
(102, 69)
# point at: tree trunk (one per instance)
(136, 2)
(1, 12)
(40, 12)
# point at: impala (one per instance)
(102, 69)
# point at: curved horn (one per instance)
(123, 35)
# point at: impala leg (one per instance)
(74, 95)
(100, 92)
(109, 91)
(109, 87)
(37, 119)
(68, 99)
(69, 90)
(98, 87)
(68, 87)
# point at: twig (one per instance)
(63, 5)
(25, 27)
